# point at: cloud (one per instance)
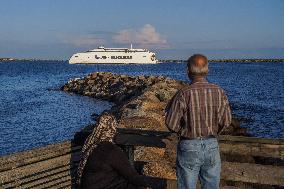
(84, 41)
(145, 37)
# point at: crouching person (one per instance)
(104, 165)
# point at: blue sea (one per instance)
(34, 112)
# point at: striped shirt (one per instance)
(198, 110)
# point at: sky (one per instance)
(56, 29)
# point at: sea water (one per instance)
(34, 111)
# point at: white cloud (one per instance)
(145, 37)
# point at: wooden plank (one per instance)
(24, 171)
(253, 173)
(250, 139)
(57, 183)
(144, 132)
(129, 150)
(220, 138)
(48, 181)
(62, 185)
(171, 184)
(36, 155)
(238, 146)
(229, 187)
(36, 151)
(139, 140)
(37, 176)
(252, 149)
(251, 145)
(229, 144)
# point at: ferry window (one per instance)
(144, 56)
(76, 56)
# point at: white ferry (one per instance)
(103, 55)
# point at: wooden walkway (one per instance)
(246, 162)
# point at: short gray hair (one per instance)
(194, 68)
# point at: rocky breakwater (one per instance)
(110, 87)
(140, 102)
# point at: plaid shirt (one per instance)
(198, 110)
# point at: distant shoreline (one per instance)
(162, 61)
(27, 60)
(229, 60)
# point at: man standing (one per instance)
(198, 113)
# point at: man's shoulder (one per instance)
(205, 85)
(215, 86)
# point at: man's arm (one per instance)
(174, 112)
(225, 114)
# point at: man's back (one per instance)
(202, 107)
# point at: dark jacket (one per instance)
(108, 168)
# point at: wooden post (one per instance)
(130, 150)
